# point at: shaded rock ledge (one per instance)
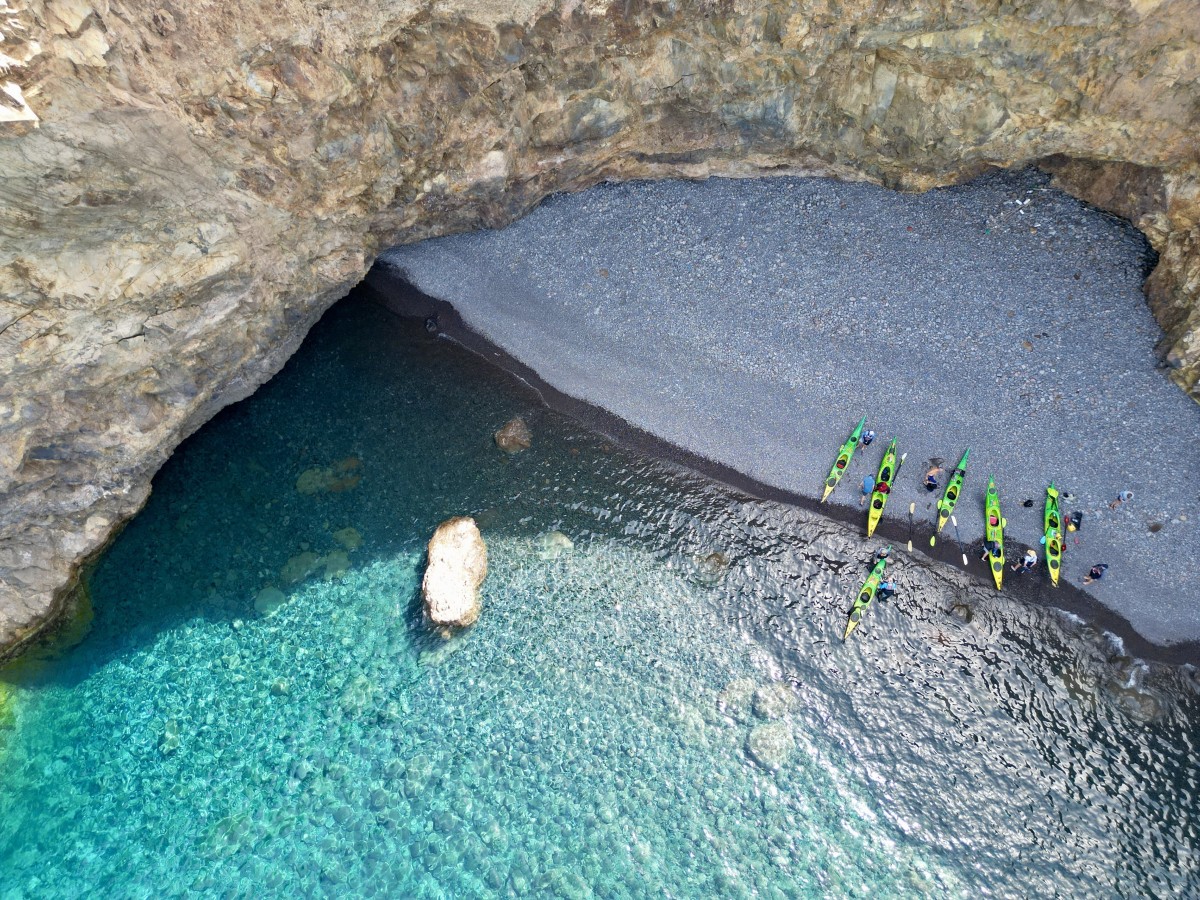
(184, 194)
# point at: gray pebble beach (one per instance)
(752, 322)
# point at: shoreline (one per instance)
(388, 287)
(753, 322)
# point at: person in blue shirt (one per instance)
(868, 486)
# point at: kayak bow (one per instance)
(887, 472)
(866, 595)
(843, 459)
(1052, 524)
(995, 533)
(953, 488)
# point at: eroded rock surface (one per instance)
(185, 190)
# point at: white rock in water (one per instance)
(456, 569)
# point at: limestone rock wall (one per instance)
(185, 187)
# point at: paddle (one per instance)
(912, 508)
(958, 538)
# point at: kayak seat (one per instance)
(841, 463)
(876, 503)
(952, 494)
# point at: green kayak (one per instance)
(843, 459)
(1054, 535)
(883, 487)
(995, 532)
(953, 488)
(866, 595)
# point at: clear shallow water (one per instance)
(592, 735)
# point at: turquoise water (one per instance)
(663, 707)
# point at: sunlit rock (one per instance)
(457, 566)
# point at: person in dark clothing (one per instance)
(867, 437)
(990, 549)
(887, 590)
(1095, 573)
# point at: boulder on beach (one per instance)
(457, 566)
(514, 436)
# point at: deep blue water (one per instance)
(258, 709)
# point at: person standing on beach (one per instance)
(868, 486)
(867, 437)
(931, 477)
(1095, 573)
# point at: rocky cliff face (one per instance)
(187, 186)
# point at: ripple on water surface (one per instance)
(659, 704)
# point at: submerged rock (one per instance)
(269, 600)
(773, 701)
(336, 564)
(456, 569)
(736, 700)
(299, 567)
(554, 544)
(343, 475)
(514, 436)
(770, 745)
(350, 538)
(713, 566)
